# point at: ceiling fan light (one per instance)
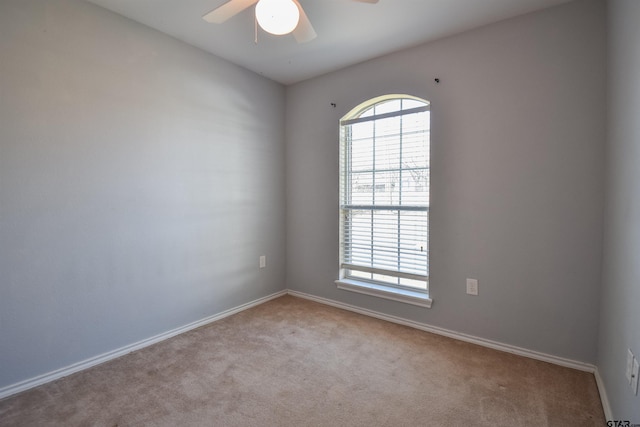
(277, 17)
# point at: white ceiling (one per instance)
(348, 32)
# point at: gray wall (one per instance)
(140, 180)
(620, 296)
(517, 180)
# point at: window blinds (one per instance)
(384, 202)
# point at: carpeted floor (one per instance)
(292, 362)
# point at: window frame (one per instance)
(346, 281)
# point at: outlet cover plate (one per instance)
(263, 261)
(634, 376)
(472, 286)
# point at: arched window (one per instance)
(384, 198)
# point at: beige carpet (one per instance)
(292, 362)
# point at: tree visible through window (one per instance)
(384, 193)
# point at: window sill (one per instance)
(387, 292)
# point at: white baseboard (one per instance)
(105, 357)
(88, 363)
(606, 407)
(453, 334)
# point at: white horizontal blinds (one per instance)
(385, 194)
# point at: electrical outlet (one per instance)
(263, 261)
(629, 366)
(472, 286)
(634, 376)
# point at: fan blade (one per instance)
(367, 1)
(304, 32)
(227, 10)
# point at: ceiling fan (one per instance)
(277, 17)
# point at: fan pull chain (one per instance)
(255, 27)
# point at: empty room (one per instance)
(319, 213)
